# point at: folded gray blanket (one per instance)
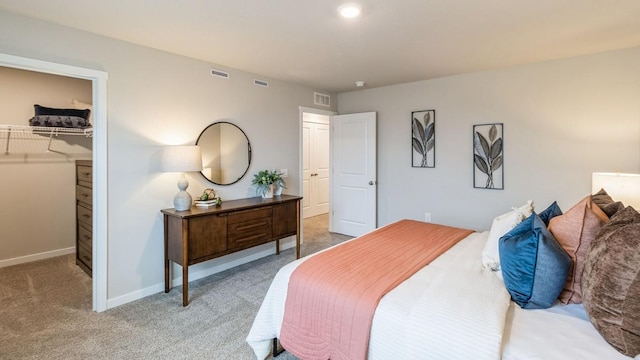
(59, 121)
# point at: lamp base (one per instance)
(182, 201)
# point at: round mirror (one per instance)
(226, 153)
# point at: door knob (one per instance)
(372, 182)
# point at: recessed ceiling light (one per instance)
(360, 83)
(349, 10)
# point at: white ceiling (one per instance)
(394, 41)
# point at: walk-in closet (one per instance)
(45, 170)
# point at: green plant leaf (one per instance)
(496, 149)
(493, 132)
(417, 146)
(481, 164)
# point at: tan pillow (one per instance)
(77, 104)
(575, 230)
(611, 282)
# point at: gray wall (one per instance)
(562, 120)
(156, 98)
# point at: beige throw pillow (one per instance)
(575, 230)
(77, 104)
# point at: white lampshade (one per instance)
(182, 159)
(620, 186)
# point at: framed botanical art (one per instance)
(488, 156)
(423, 138)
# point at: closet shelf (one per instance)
(45, 130)
(17, 130)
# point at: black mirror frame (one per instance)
(248, 152)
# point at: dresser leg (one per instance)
(298, 229)
(166, 255)
(185, 285)
(166, 276)
(185, 262)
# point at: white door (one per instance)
(353, 160)
(315, 167)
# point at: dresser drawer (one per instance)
(85, 237)
(84, 194)
(85, 217)
(84, 255)
(84, 174)
(249, 228)
(242, 216)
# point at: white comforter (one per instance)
(449, 309)
(452, 309)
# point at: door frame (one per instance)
(99, 149)
(301, 111)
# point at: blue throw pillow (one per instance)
(534, 265)
(549, 213)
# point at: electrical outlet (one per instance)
(284, 172)
(427, 217)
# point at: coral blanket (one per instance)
(332, 296)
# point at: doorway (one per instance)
(315, 164)
(99, 144)
(315, 157)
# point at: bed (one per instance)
(453, 308)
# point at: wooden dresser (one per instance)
(84, 215)
(201, 234)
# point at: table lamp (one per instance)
(620, 186)
(182, 159)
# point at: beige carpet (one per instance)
(45, 311)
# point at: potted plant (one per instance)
(268, 183)
(278, 183)
(263, 182)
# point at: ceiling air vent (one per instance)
(321, 99)
(220, 73)
(260, 83)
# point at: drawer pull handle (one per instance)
(251, 226)
(86, 173)
(86, 216)
(87, 237)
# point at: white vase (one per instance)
(277, 191)
(268, 193)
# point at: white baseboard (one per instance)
(35, 257)
(226, 262)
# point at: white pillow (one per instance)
(526, 209)
(77, 104)
(501, 225)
